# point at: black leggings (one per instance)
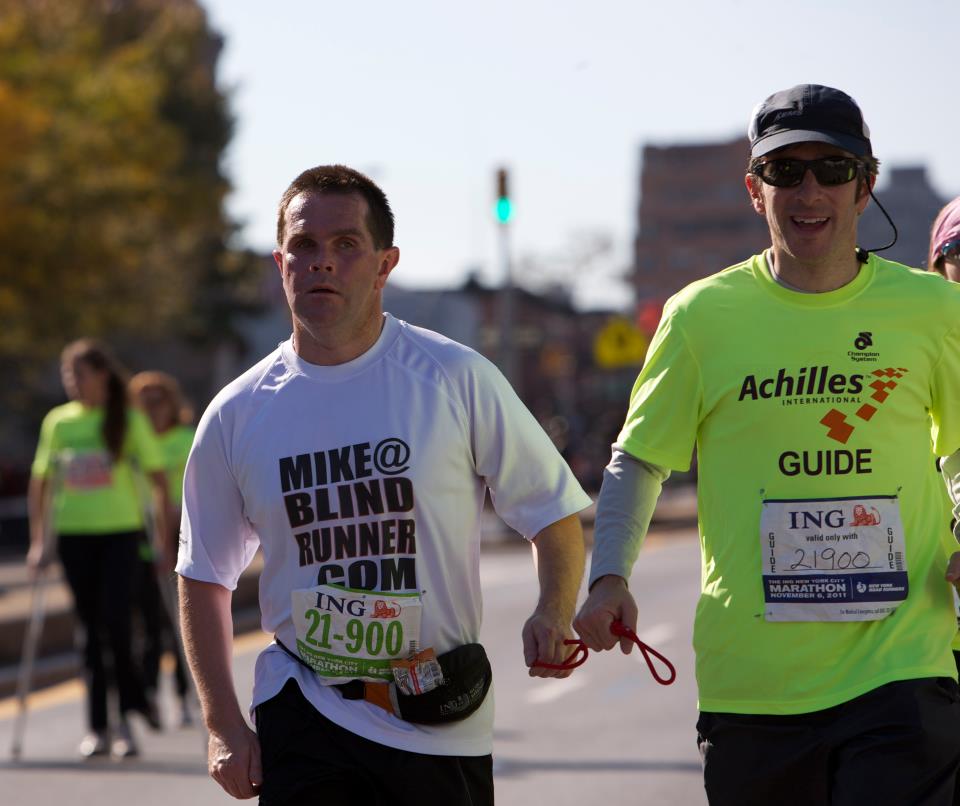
(307, 759)
(158, 631)
(101, 570)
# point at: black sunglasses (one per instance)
(788, 172)
(951, 250)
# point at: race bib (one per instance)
(85, 471)
(832, 559)
(345, 634)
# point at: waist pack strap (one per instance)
(354, 690)
(466, 680)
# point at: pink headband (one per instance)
(946, 228)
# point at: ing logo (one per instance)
(383, 610)
(862, 517)
(863, 340)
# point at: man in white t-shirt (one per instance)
(358, 455)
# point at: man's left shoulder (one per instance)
(928, 295)
(916, 281)
(419, 346)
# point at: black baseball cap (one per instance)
(809, 113)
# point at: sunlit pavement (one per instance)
(609, 734)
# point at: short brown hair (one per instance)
(341, 179)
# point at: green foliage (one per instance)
(112, 130)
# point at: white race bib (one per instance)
(832, 559)
(86, 470)
(345, 634)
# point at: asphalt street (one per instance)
(609, 734)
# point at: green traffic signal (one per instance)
(504, 208)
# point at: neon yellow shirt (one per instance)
(176, 443)
(93, 495)
(773, 387)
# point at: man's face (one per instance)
(810, 223)
(332, 273)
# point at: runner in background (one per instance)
(944, 258)
(158, 395)
(945, 242)
(99, 523)
(811, 380)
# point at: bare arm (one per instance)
(206, 623)
(166, 541)
(559, 556)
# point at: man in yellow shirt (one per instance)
(807, 378)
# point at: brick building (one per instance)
(694, 216)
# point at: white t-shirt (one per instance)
(424, 423)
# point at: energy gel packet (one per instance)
(417, 674)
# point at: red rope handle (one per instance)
(618, 628)
(568, 662)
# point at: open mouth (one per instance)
(809, 223)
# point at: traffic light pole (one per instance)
(507, 346)
(507, 314)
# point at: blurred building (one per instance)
(694, 217)
(912, 203)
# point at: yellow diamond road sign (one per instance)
(619, 344)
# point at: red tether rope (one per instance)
(618, 628)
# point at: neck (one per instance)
(814, 276)
(93, 402)
(326, 349)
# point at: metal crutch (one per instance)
(31, 638)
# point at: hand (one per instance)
(38, 557)
(543, 636)
(233, 761)
(609, 601)
(953, 569)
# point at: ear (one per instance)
(864, 199)
(755, 189)
(278, 259)
(388, 261)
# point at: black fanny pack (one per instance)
(466, 679)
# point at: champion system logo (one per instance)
(839, 428)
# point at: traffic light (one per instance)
(504, 208)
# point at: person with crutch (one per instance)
(99, 524)
(158, 395)
(944, 259)
(34, 629)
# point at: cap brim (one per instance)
(857, 147)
